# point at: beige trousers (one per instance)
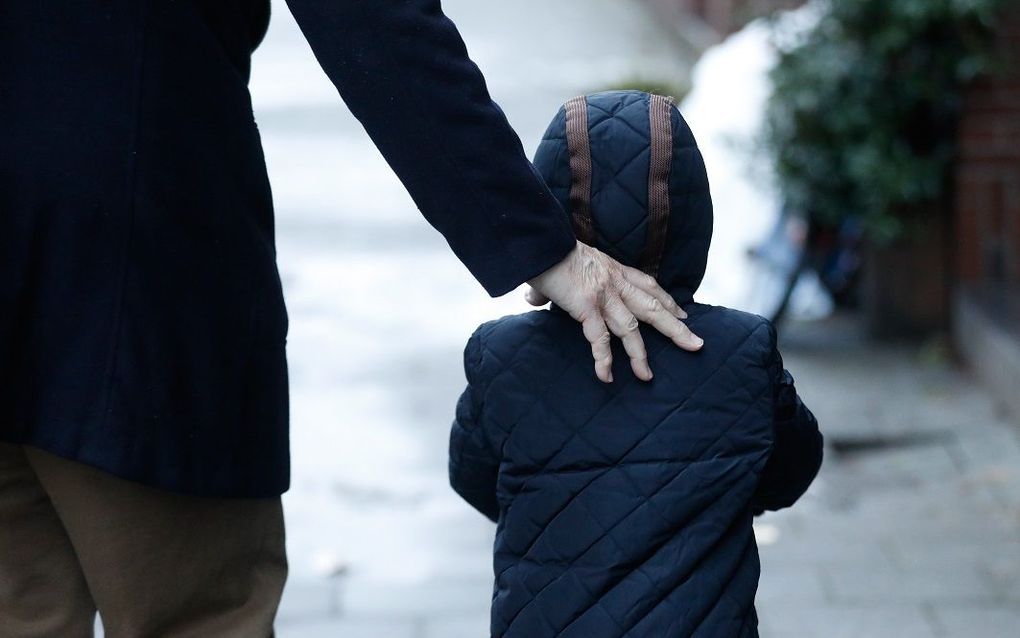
(74, 540)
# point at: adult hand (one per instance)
(610, 298)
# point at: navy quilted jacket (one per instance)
(625, 509)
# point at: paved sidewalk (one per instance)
(913, 528)
(911, 531)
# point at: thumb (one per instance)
(534, 297)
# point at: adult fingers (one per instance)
(651, 311)
(648, 284)
(624, 324)
(596, 332)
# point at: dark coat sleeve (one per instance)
(404, 72)
(797, 451)
(474, 464)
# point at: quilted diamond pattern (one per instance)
(624, 510)
(619, 133)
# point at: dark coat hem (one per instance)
(200, 487)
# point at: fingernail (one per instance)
(698, 341)
(610, 377)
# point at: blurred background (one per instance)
(865, 165)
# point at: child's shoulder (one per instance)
(704, 311)
(511, 331)
(502, 341)
(741, 342)
(705, 320)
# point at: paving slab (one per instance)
(846, 621)
(351, 628)
(955, 621)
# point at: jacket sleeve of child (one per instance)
(474, 464)
(797, 449)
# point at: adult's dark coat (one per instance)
(624, 510)
(142, 325)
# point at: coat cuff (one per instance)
(528, 258)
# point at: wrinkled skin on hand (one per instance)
(608, 298)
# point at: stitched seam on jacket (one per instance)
(662, 599)
(549, 388)
(647, 501)
(538, 537)
(659, 169)
(580, 162)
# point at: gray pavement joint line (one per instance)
(994, 583)
(826, 584)
(931, 618)
(954, 450)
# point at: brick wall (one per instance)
(987, 216)
(703, 23)
(723, 16)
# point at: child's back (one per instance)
(625, 509)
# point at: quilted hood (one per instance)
(626, 168)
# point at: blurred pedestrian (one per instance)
(626, 509)
(143, 374)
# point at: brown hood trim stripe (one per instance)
(661, 160)
(579, 148)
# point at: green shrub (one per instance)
(862, 119)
